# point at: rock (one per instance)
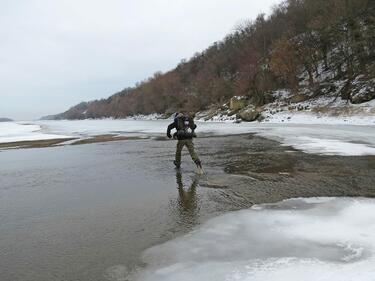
(298, 98)
(248, 115)
(237, 103)
(362, 96)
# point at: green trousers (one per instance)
(190, 146)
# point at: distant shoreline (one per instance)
(6, 120)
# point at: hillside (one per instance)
(308, 55)
(5, 120)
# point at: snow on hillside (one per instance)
(321, 110)
(320, 103)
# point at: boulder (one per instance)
(248, 115)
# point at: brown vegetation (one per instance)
(259, 57)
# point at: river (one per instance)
(88, 212)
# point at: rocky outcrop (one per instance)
(249, 114)
(363, 91)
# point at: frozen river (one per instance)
(329, 139)
(119, 211)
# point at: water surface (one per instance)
(74, 212)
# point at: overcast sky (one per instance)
(57, 53)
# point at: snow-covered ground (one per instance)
(326, 109)
(332, 139)
(14, 132)
(321, 110)
(297, 239)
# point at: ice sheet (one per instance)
(344, 140)
(297, 239)
(14, 132)
(90, 127)
(332, 139)
(332, 147)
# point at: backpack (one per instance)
(184, 130)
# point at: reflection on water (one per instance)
(187, 201)
(187, 197)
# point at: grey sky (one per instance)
(54, 54)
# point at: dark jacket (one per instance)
(182, 132)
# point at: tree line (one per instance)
(258, 57)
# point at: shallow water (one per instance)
(88, 212)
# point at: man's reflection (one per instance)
(187, 199)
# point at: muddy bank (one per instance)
(105, 138)
(67, 141)
(33, 144)
(258, 170)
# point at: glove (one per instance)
(169, 135)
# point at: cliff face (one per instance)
(308, 48)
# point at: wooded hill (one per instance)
(299, 38)
(2, 119)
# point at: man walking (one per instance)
(185, 127)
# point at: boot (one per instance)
(198, 163)
(177, 164)
(200, 170)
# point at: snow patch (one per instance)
(332, 147)
(14, 132)
(295, 239)
(338, 139)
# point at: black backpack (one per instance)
(183, 125)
